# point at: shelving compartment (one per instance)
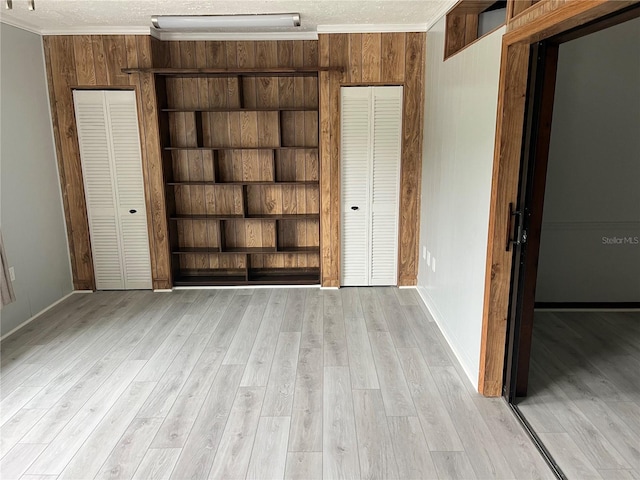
(243, 179)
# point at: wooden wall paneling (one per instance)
(393, 58)
(544, 19)
(307, 231)
(50, 50)
(115, 52)
(63, 68)
(410, 174)
(354, 75)
(83, 51)
(152, 166)
(396, 58)
(371, 57)
(99, 60)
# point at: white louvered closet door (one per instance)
(107, 123)
(371, 133)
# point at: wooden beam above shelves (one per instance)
(251, 216)
(244, 250)
(236, 72)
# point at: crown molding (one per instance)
(165, 35)
(372, 28)
(15, 22)
(97, 30)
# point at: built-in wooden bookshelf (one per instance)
(241, 164)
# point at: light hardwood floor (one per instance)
(584, 392)
(261, 384)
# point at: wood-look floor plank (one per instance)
(377, 458)
(426, 335)
(361, 364)
(178, 422)
(125, 458)
(479, 445)
(312, 320)
(15, 428)
(395, 317)
(335, 341)
(303, 466)
(96, 449)
(99, 380)
(157, 464)
(351, 305)
(61, 449)
(372, 310)
(339, 444)
(306, 418)
(511, 438)
(410, 448)
(395, 391)
(269, 456)
(15, 401)
(256, 373)
(234, 452)
(242, 343)
(17, 460)
(278, 400)
(453, 466)
(197, 455)
(294, 311)
(440, 433)
(574, 462)
(169, 385)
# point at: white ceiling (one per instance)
(134, 16)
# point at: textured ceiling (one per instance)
(60, 15)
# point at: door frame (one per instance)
(546, 19)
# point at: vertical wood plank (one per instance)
(392, 65)
(371, 53)
(83, 51)
(411, 158)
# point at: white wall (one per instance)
(460, 119)
(31, 214)
(593, 178)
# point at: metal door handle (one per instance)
(354, 208)
(132, 211)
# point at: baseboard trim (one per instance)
(163, 290)
(29, 320)
(588, 306)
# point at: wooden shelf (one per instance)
(244, 250)
(241, 148)
(236, 72)
(250, 216)
(208, 182)
(226, 110)
(278, 276)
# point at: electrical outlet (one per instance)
(424, 252)
(433, 264)
(428, 258)
(12, 274)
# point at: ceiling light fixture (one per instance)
(208, 22)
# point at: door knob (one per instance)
(132, 211)
(354, 208)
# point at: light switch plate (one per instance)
(12, 274)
